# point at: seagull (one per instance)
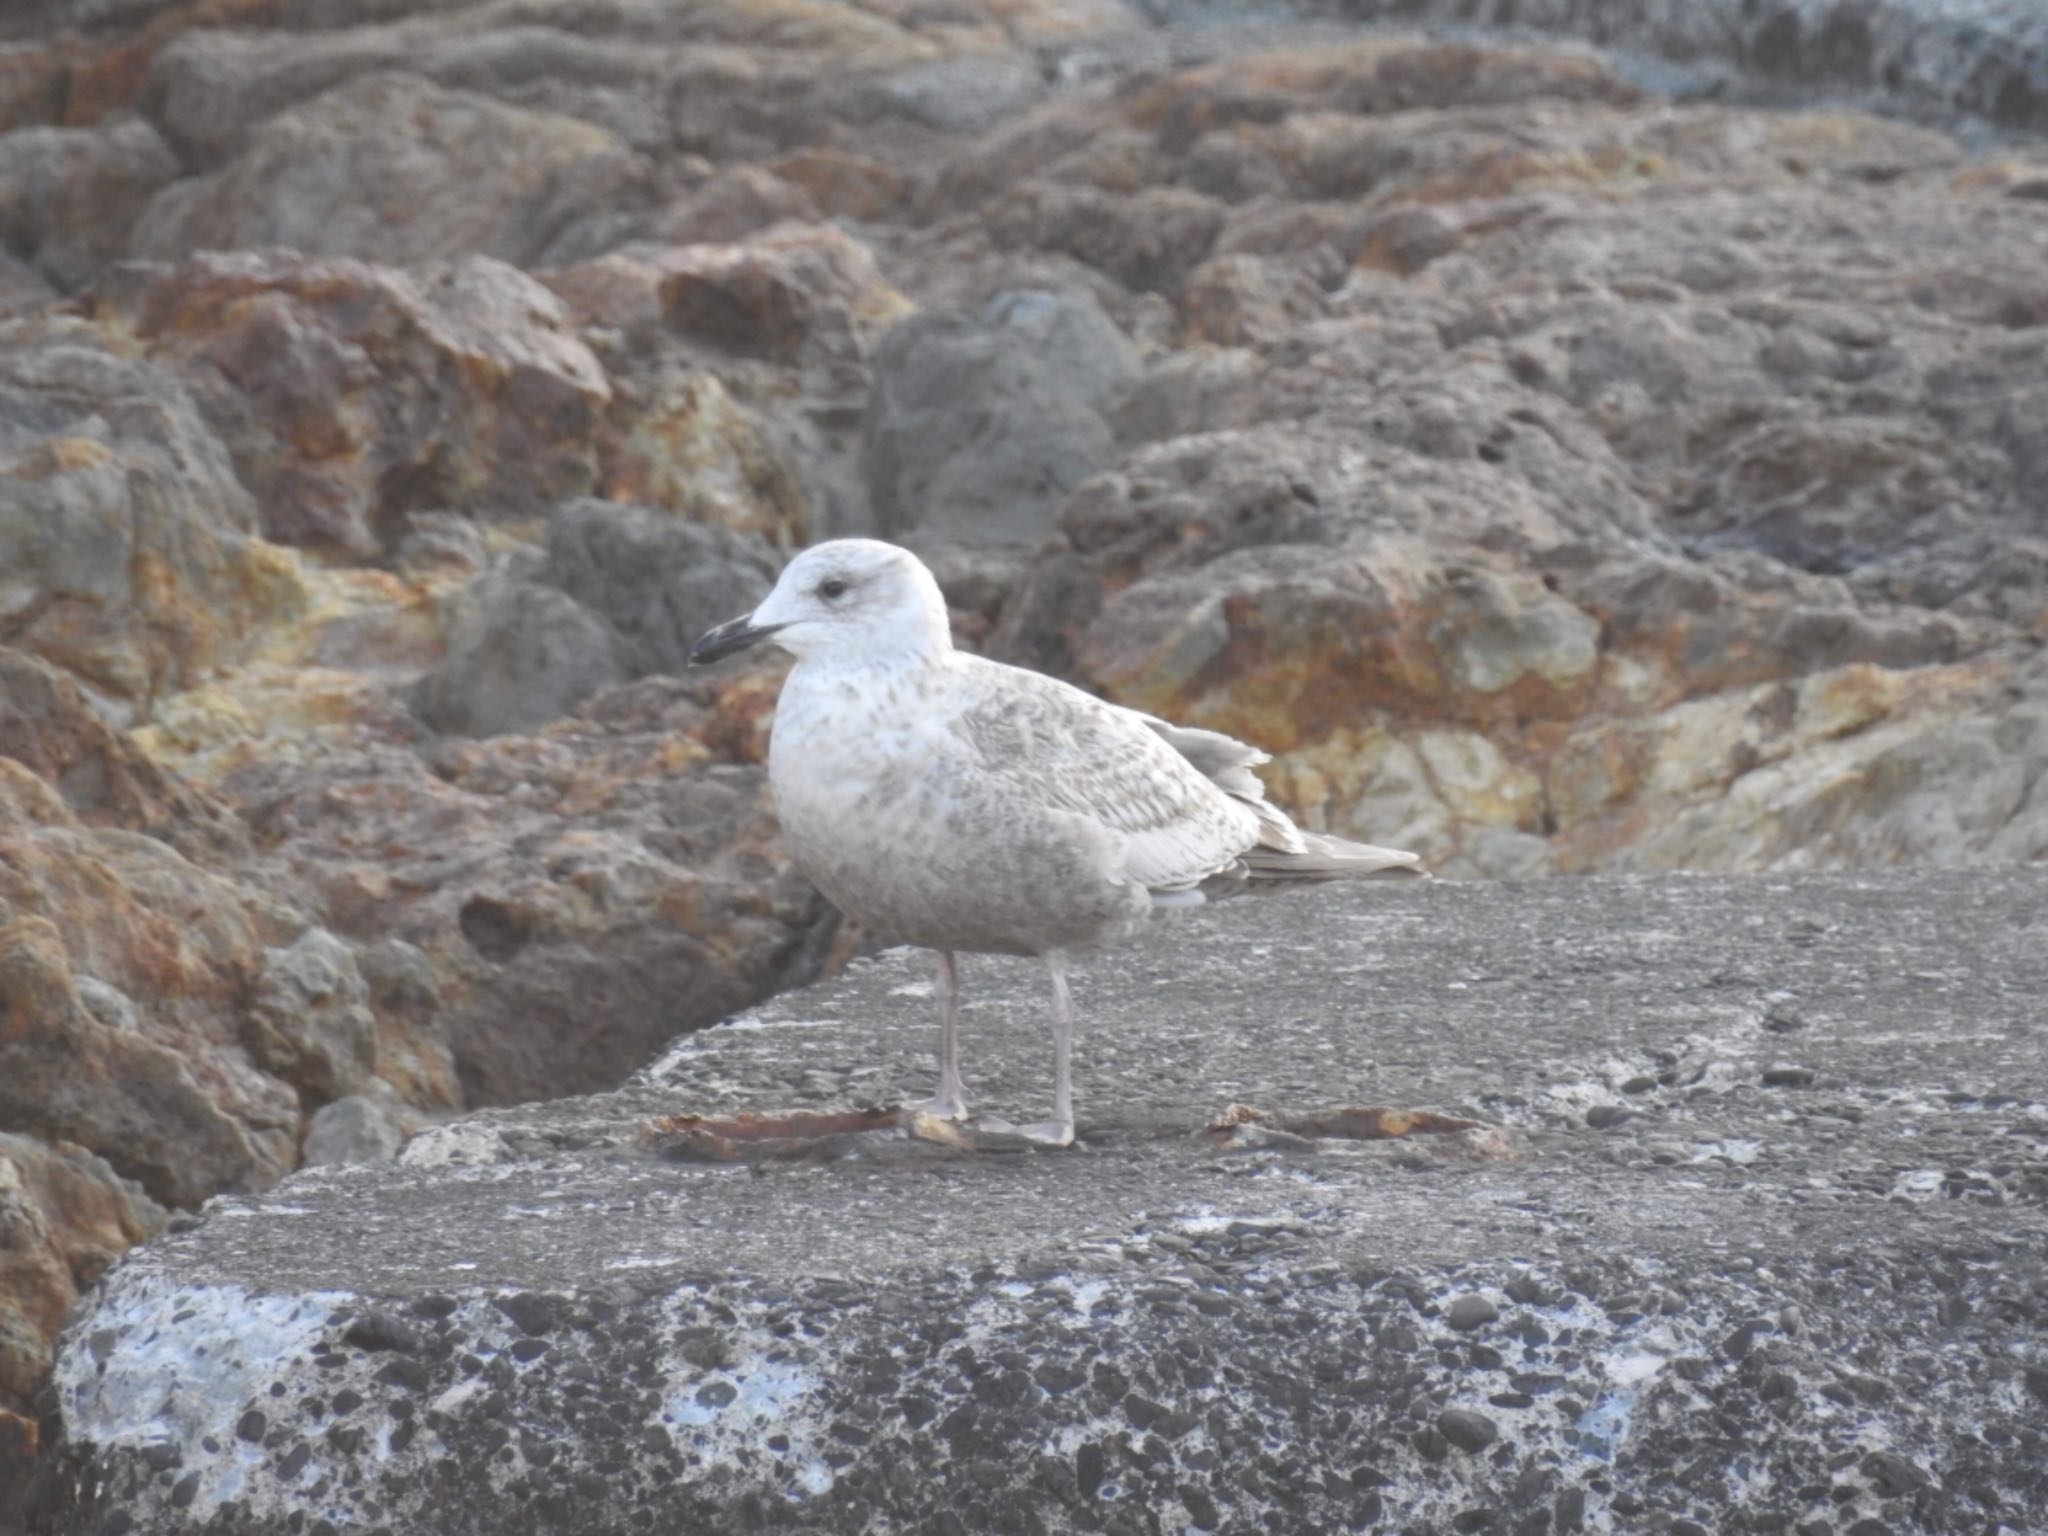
(962, 805)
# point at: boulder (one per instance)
(741, 374)
(102, 777)
(125, 548)
(70, 197)
(65, 1216)
(656, 580)
(538, 913)
(357, 1128)
(521, 652)
(620, 592)
(392, 168)
(350, 395)
(1606, 1253)
(979, 424)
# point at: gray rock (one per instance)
(438, 540)
(69, 197)
(22, 287)
(309, 1020)
(619, 592)
(1983, 57)
(979, 424)
(1466, 1429)
(1228, 1331)
(520, 653)
(213, 88)
(1470, 1311)
(110, 1006)
(969, 93)
(658, 580)
(361, 1128)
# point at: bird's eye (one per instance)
(831, 587)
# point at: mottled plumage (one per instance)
(960, 804)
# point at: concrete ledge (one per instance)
(1768, 1254)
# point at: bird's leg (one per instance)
(1059, 1130)
(950, 1102)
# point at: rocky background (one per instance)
(1557, 475)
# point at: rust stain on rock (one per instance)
(1447, 1136)
(799, 1136)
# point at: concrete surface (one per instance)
(1759, 1248)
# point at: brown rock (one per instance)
(64, 1217)
(843, 185)
(794, 294)
(138, 1099)
(109, 69)
(1148, 241)
(32, 81)
(616, 883)
(389, 167)
(102, 777)
(1552, 483)
(350, 395)
(731, 205)
(166, 1015)
(677, 438)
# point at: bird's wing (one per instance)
(1283, 851)
(1045, 743)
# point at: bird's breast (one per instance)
(851, 770)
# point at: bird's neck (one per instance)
(902, 655)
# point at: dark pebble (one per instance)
(1467, 1430)
(1788, 1077)
(381, 1330)
(1603, 1117)
(717, 1394)
(407, 1374)
(1570, 1514)
(251, 1425)
(162, 1456)
(1088, 1469)
(1894, 1475)
(1471, 1311)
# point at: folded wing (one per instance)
(1185, 801)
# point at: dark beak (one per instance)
(729, 639)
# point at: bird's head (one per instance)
(847, 598)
